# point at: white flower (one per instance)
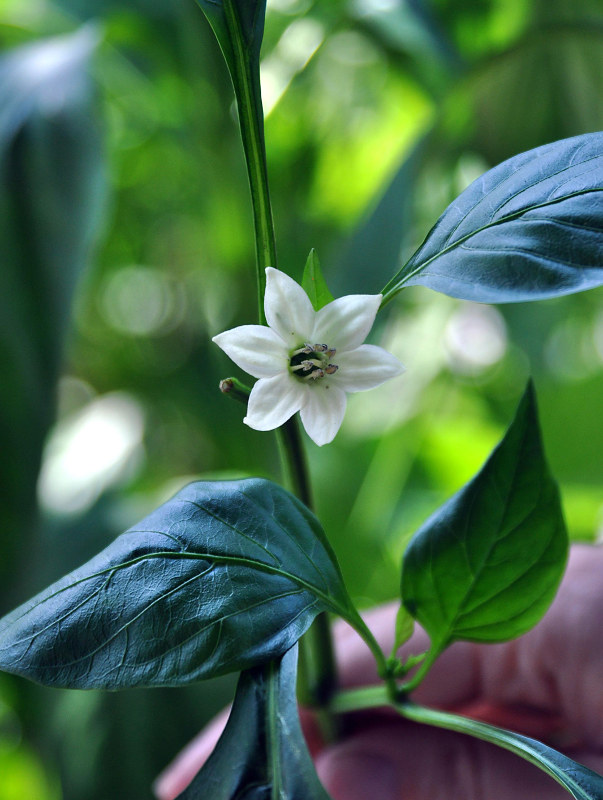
(307, 360)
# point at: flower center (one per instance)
(312, 361)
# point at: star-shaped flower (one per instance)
(307, 360)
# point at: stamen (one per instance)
(318, 373)
(319, 365)
(306, 349)
(306, 365)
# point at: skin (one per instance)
(548, 684)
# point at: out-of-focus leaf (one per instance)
(373, 251)
(552, 80)
(412, 29)
(528, 229)
(262, 754)
(51, 198)
(314, 284)
(223, 576)
(487, 564)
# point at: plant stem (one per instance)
(574, 778)
(360, 699)
(579, 781)
(318, 669)
(295, 457)
(319, 658)
(251, 120)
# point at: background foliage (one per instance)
(379, 112)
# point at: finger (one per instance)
(179, 773)
(399, 760)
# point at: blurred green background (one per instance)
(126, 243)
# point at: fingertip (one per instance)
(352, 773)
(179, 773)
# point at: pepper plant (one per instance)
(229, 576)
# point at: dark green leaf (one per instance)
(262, 754)
(52, 195)
(314, 284)
(528, 229)
(486, 565)
(580, 781)
(223, 576)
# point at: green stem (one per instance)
(295, 458)
(320, 669)
(360, 699)
(579, 781)
(251, 120)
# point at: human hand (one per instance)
(547, 684)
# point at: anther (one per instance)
(321, 348)
(317, 373)
(331, 352)
(331, 368)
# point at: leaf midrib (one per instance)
(216, 559)
(516, 215)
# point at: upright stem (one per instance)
(318, 660)
(251, 120)
(317, 668)
(293, 453)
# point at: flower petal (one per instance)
(345, 323)
(364, 368)
(273, 400)
(288, 308)
(322, 411)
(256, 349)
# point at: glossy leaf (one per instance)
(262, 752)
(314, 284)
(223, 576)
(528, 229)
(52, 196)
(487, 564)
(580, 781)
